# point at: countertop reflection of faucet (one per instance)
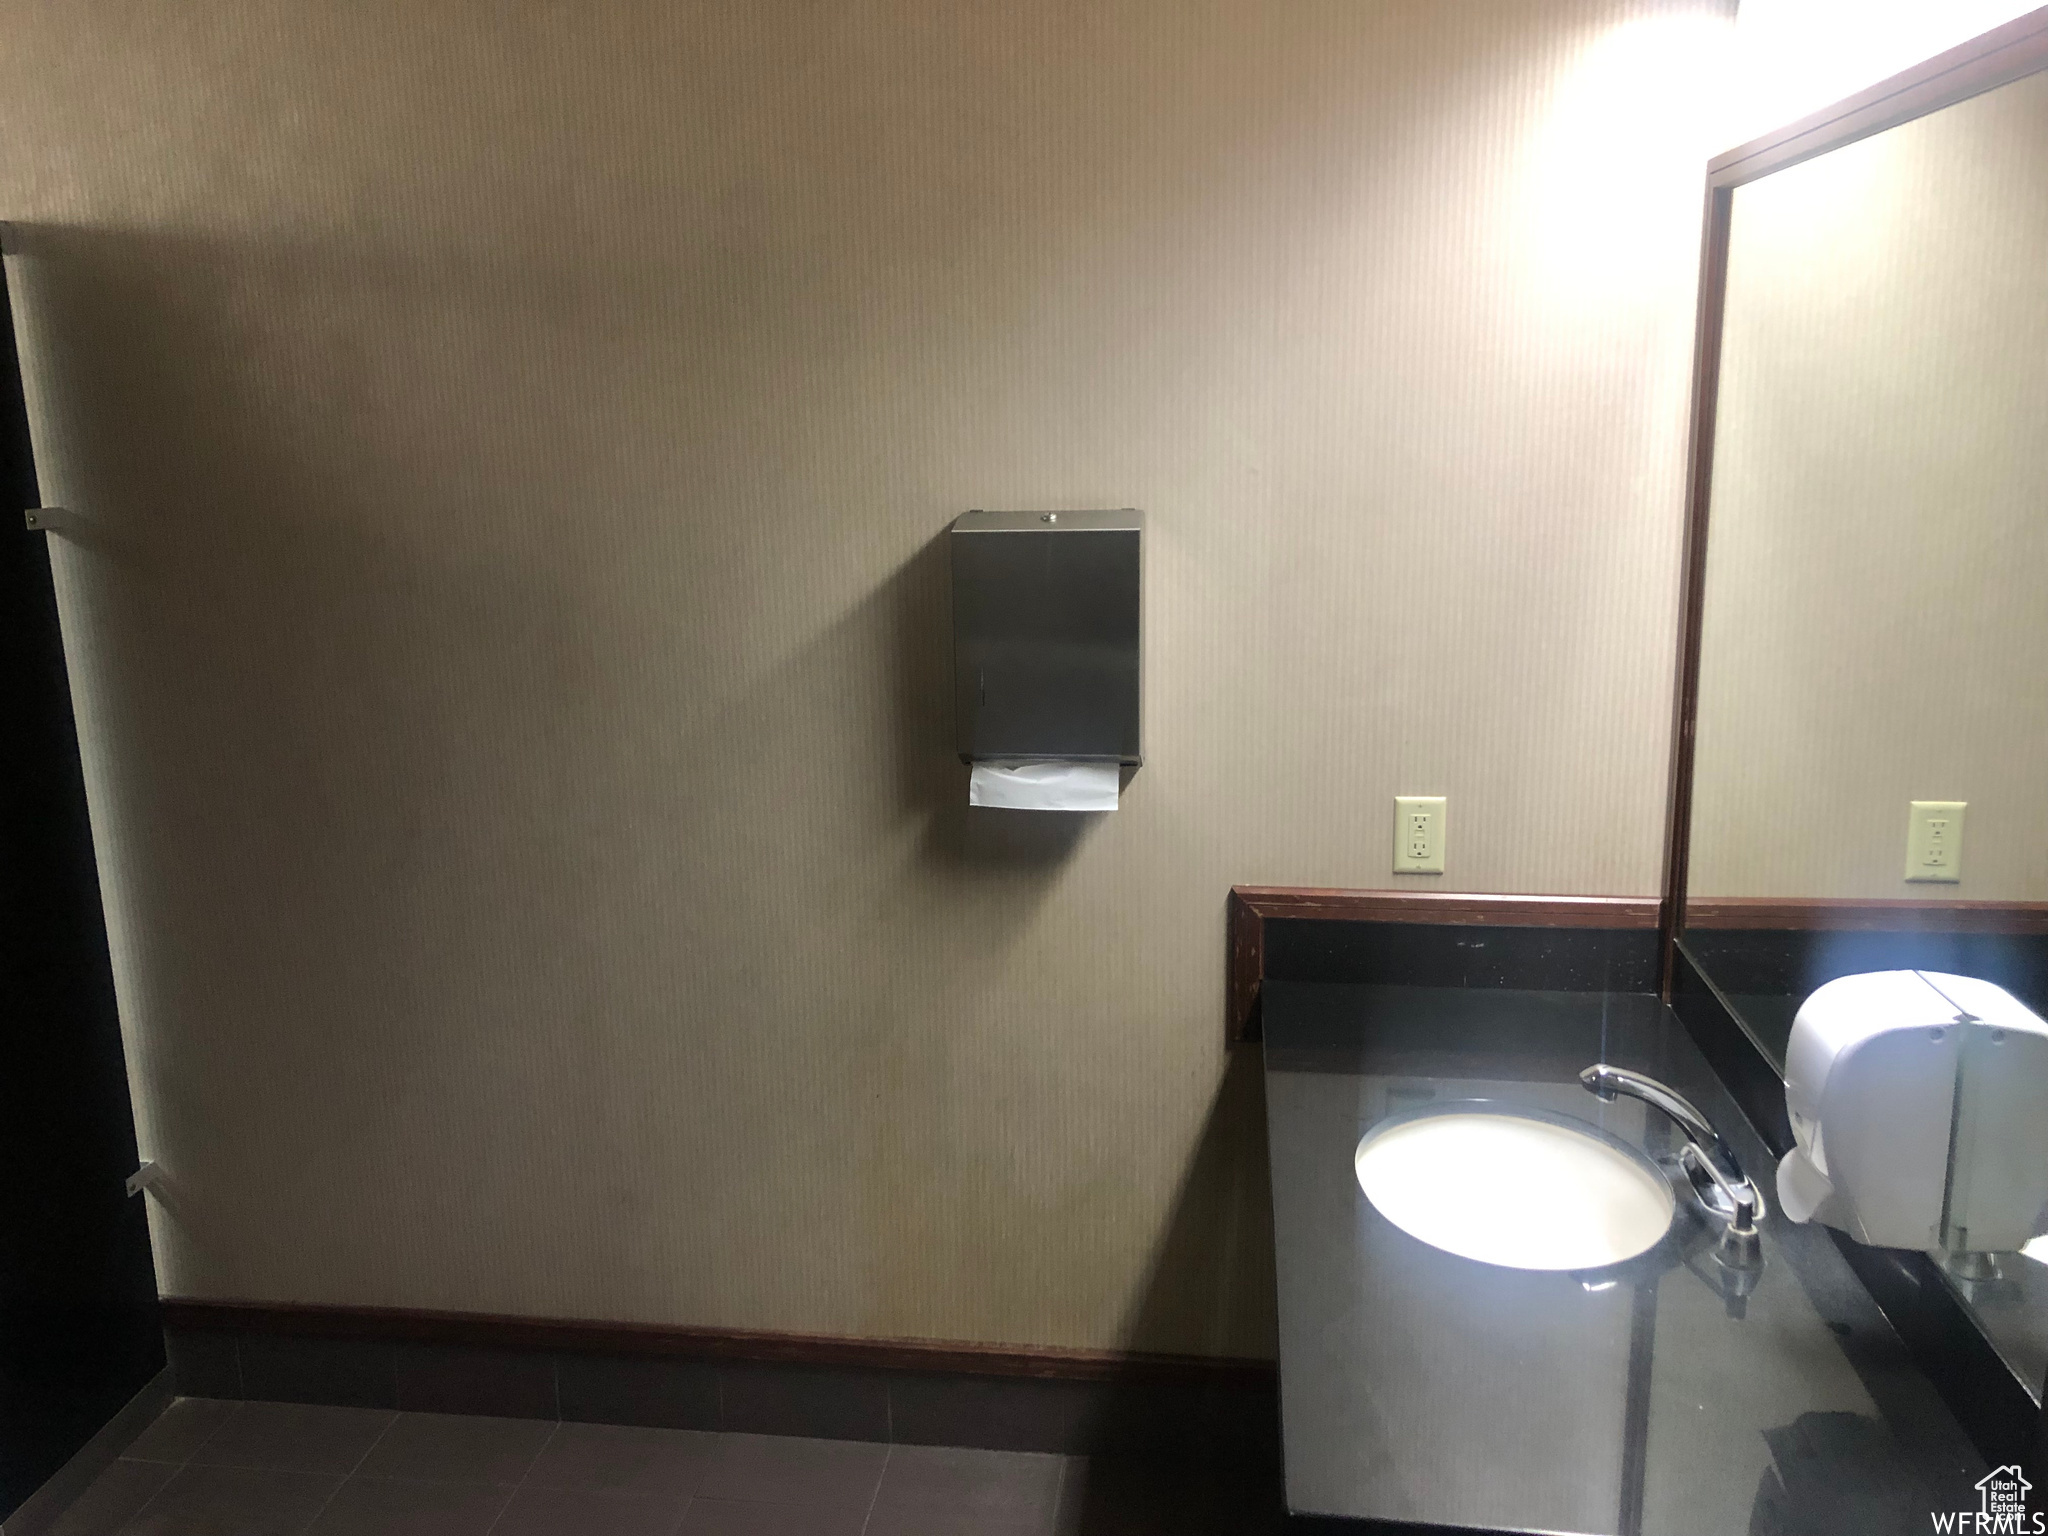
(1724, 1191)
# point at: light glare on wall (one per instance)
(1623, 155)
(1622, 158)
(1793, 57)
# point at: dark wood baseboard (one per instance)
(1251, 905)
(738, 1381)
(710, 1345)
(1852, 914)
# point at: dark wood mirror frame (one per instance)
(2007, 53)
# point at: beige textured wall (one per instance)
(1874, 627)
(510, 635)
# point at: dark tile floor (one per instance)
(212, 1468)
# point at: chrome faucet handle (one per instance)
(1738, 1202)
(1709, 1162)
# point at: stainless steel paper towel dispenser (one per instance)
(1047, 655)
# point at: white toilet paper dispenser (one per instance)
(1048, 658)
(1919, 1108)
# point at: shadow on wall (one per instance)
(1214, 1263)
(467, 759)
(1202, 1448)
(263, 645)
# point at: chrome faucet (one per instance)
(1709, 1162)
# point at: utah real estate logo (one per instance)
(2002, 1509)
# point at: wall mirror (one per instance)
(1860, 779)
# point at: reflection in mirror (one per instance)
(1870, 771)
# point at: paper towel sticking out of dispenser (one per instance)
(1047, 650)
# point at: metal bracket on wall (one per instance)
(148, 1176)
(46, 519)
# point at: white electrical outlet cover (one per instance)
(1418, 834)
(1934, 841)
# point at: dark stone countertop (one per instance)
(1638, 1401)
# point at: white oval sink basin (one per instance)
(1510, 1188)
